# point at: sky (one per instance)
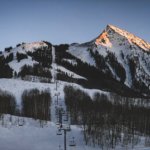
(69, 21)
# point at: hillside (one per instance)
(115, 61)
(119, 53)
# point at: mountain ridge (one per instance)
(131, 37)
(113, 55)
(122, 50)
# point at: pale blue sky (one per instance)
(68, 21)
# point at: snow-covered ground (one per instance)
(23, 49)
(71, 61)
(37, 135)
(32, 135)
(16, 66)
(54, 66)
(82, 53)
(16, 87)
(72, 74)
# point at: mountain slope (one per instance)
(119, 53)
(115, 61)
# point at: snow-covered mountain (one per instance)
(115, 61)
(119, 53)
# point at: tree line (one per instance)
(109, 121)
(35, 104)
(36, 70)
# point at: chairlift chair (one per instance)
(56, 102)
(66, 117)
(59, 132)
(63, 112)
(20, 124)
(60, 107)
(67, 127)
(72, 142)
(56, 112)
(20, 121)
(57, 123)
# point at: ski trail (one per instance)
(53, 65)
(53, 92)
(58, 103)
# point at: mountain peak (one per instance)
(33, 45)
(110, 26)
(103, 38)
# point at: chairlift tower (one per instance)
(57, 97)
(65, 128)
(65, 134)
(60, 112)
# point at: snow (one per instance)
(33, 138)
(72, 74)
(112, 39)
(61, 68)
(130, 46)
(103, 40)
(132, 38)
(54, 66)
(16, 66)
(82, 53)
(26, 47)
(33, 46)
(36, 134)
(23, 49)
(71, 61)
(16, 87)
(119, 42)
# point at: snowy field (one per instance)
(36, 134)
(32, 135)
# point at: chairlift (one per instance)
(72, 142)
(20, 121)
(57, 118)
(59, 132)
(56, 110)
(63, 112)
(57, 123)
(56, 102)
(67, 127)
(20, 124)
(60, 107)
(66, 117)
(57, 94)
